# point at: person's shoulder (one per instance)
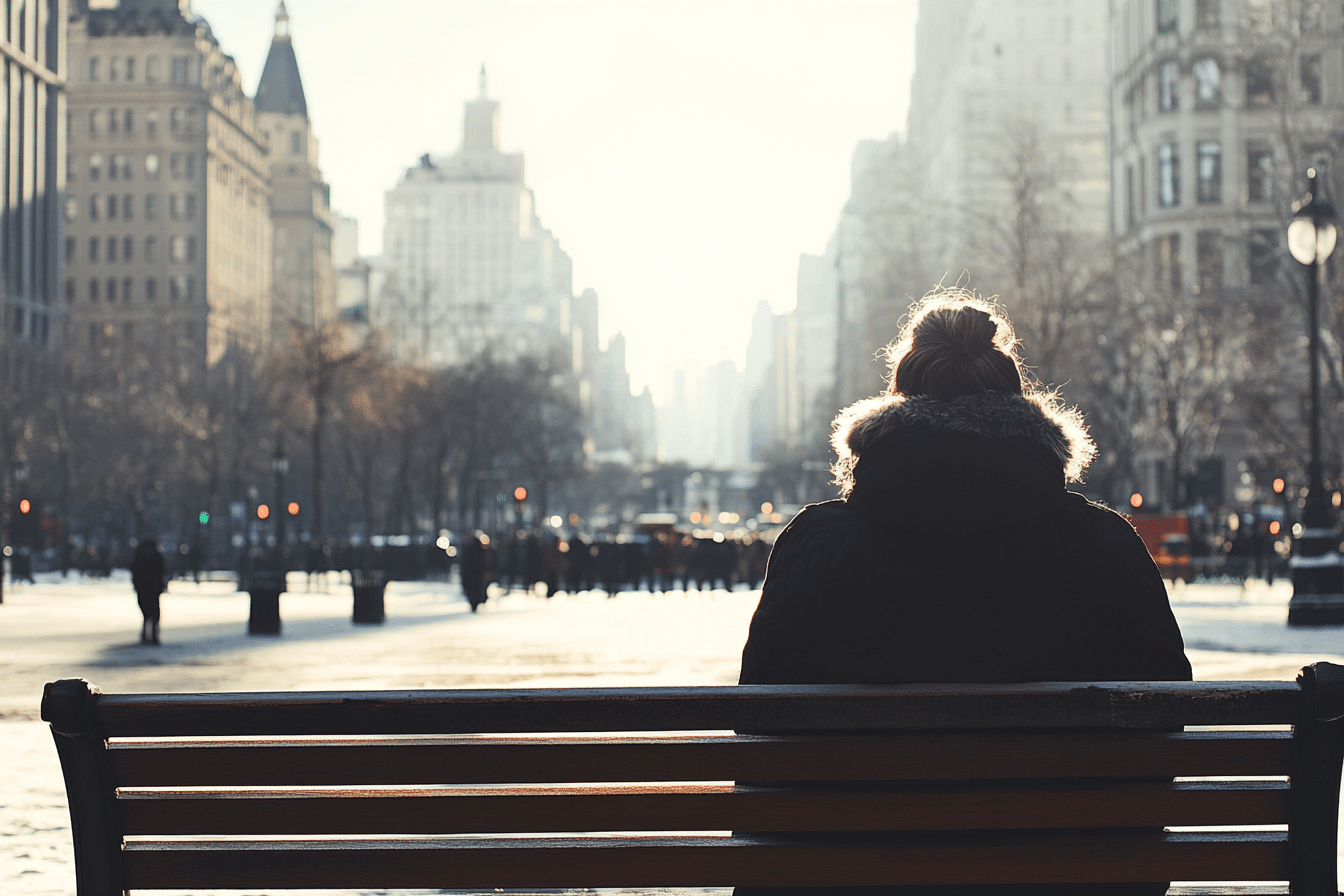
(821, 515)
(1094, 512)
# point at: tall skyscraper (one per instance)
(168, 231)
(468, 266)
(35, 72)
(304, 292)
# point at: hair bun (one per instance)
(954, 345)
(971, 332)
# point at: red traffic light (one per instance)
(293, 508)
(263, 511)
(1278, 486)
(25, 506)
(520, 494)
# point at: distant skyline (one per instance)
(684, 153)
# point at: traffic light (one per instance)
(293, 508)
(204, 517)
(1279, 486)
(25, 506)
(520, 494)
(263, 512)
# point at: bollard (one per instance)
(368, 587)
(265, 587)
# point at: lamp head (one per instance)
(1313, 230)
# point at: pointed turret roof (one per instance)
(281, 88)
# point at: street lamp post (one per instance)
(1318, 575)
(280, 467)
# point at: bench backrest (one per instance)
(644, 787)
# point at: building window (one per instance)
(189, 210)
(174, 289)
(1129, 198)
(175, 119)
(95, 68)
(130, 68)
(126, 290)
(1168, 81)
(191, 121)
(69, 249)
(152, 165)
(1259, 174)
(150, 245)
(95, 166)
(112, 207)
(69, 290)
(71, 208)
(128, 121)
(1262, 255)
(121, 167)
(191, 288)
(174, 206)
(1168, 262)
(127, 248)
(1168, 176)
(114, 68)
(94, 244)
(1259, 82)
(152, 69)
(191, 248)
(93, 207)
(294, 140)
(179, 72)
(1310, 71)
(1260, 13)
(95, 116)
(177, 248)
(111, 289)
(93, 290)
(1208, 87)
(151, 289)
(1209, 157)
(1309, 16)
(127, 205)
(152, 123)
(189, 166)
(111, 121)
(1166, 16)
(111, 248)
(151, 206)
(1207, 13)
(175, 165)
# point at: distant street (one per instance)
(89, 629)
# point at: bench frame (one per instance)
(83, 720)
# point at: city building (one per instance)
(304, 293)
(1218, 107)
(167, 226)
(468, 267)
(33, 53)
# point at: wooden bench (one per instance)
(634, 787)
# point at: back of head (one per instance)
(955, 345)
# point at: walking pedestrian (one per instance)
(147, 577)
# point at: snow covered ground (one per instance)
(77, 628)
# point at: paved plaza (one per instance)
(68, 628)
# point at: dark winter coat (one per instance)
(147, 571)
(958, 555)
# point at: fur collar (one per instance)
(1038, 417)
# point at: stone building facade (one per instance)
(469, 268)
(304, 291)
(33, 55)
(168, 232)
(1218, 107)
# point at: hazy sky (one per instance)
(683, 152)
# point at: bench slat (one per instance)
(705, 758)
(701, 807)
(701, 862)
(740, 707)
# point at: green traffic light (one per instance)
(205, 517)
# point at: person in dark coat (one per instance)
(147, 575)
(955, 552)
(475, 569)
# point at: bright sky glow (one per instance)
(683, 152)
